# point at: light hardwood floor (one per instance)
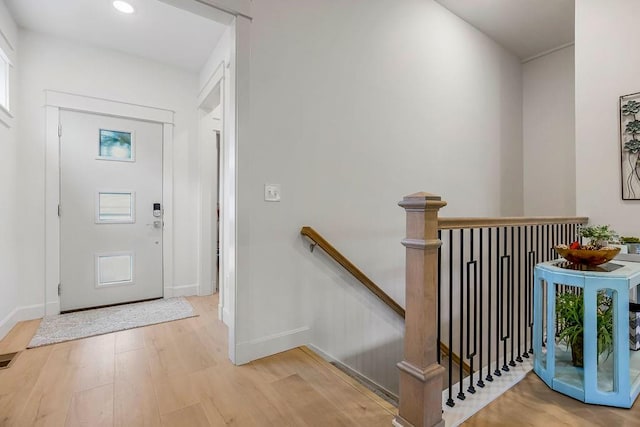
(531, 403)
(176, 374)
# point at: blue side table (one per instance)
(612, 380)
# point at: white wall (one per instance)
(549, 134)
(606, 68)
(220, 53)
(49, 63)
(354, 105)
(9, 182)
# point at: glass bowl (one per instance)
(587, 256)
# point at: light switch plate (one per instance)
(272, 192)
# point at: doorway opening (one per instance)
(160, 59)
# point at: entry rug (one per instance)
(82, 324)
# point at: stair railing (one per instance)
(469, 286)
(317, 240)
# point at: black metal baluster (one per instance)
(450, 401)
(489, 377)
(503, 326)
(546, 244)
(461, 395)
(527, 268)
(537, 244)
(511, 298)
(481, 257)
(439, 309)
(497, 372)
(536, 256)
(519, 298)
(471, 354)
(543, 252)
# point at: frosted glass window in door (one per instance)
(114, 269)
(115, 207)
(116, 145)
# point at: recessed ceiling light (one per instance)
(123, 6)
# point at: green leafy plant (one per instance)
(626, 240)
(598, 235)
(570, 311)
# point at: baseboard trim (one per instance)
(271, 344)
(19, 314)
(7, 323)
(224, 314)
(181, 291)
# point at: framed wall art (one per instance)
(630, 145)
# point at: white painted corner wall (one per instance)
(11, 309)
(606, 68)
(549, 142)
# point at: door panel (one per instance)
(110, 240)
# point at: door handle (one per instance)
(155, 224)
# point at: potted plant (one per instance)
(633, 244)
(597, 251)
(599, 236)
(570, 327)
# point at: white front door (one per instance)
(110, 210)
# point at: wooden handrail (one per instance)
(462, 222)
(315, 237)
(351, 268)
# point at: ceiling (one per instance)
(525, 27)
(156, 31)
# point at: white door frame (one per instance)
(237, 133)
(56, 101)
(206, 233)
(239, 81)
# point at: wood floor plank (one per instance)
(93, 362)
(48, 403)
(330, 373)
(235, 398)
(17, 383)
(338, 388)
(309, 405)
(533, 404)
(174, 392)
(19, 337)
(175, 373)
(192, 416)
(214, 416)
(93, 407)
(135, 402)
(131, 339)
